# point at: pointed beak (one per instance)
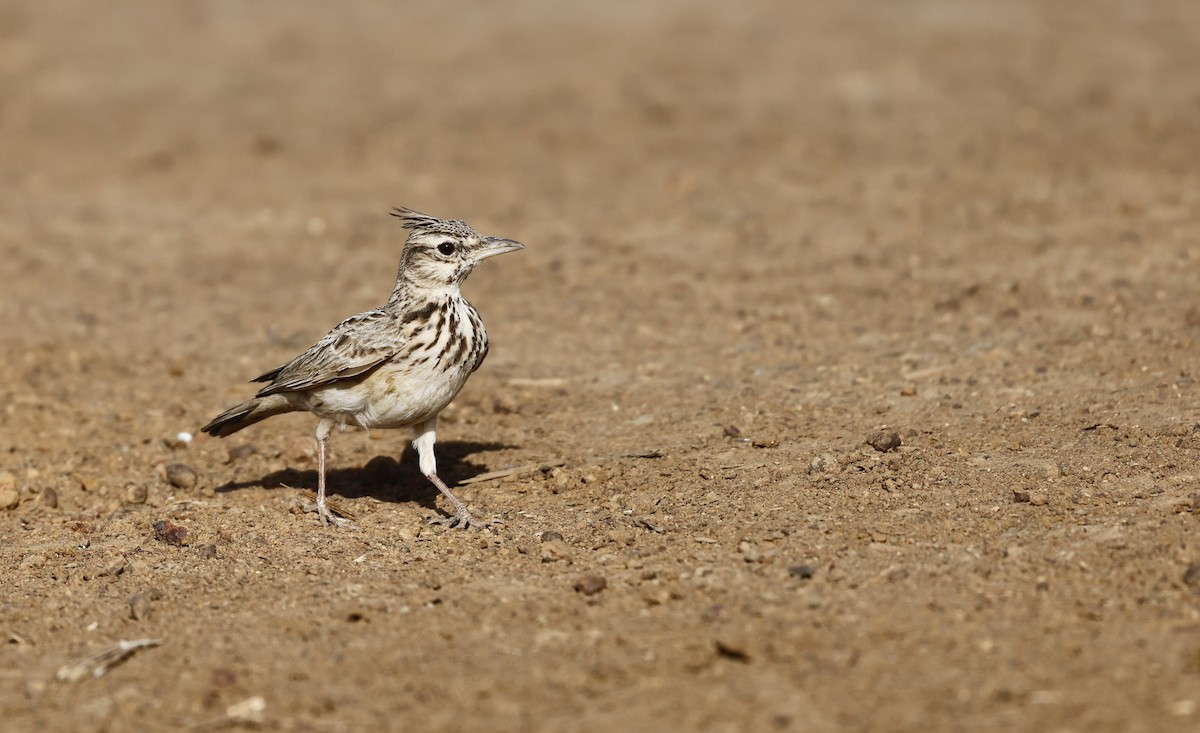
(493, 246)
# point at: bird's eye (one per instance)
(446, 248)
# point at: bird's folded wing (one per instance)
(355, 346)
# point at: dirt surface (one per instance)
(762, 237)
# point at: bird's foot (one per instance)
(327, 517)
(464, 519)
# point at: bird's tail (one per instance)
(246, 414)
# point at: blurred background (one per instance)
(241, 158)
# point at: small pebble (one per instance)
(1038, 498)
(137, 494)
(167, 531)
(251, 710)
(139, 606)
(178, 440)
(181, 476)
(551, 536)
(1020, 496)
(505, 405)
(237, 453)
(590, 584)
(622, 536)
(50, 497)
(713, 613)
(884, 440)
(208, 552)
(31, 562)
(803, 572)
(116, 567)
(749, 552)
(824, 463)
(657, 596)
(908, 391)
(556, 550)
(1191, 576)
(731, 648)
(10, 496)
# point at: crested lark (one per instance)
(396, 366)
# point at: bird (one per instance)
(395, 366)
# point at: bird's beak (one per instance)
(493, 246)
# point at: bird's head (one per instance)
(440, 253)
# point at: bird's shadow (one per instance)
(383, 477)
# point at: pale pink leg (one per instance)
(426, 437)
(324, 428)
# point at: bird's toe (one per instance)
(465, 520)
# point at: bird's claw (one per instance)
(463, 519)
(329, 518)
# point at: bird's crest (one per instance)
(418, 222)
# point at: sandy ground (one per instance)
(762, 238)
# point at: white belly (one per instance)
(390, 397)
(413, 400)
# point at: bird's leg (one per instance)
(426, 436)
(324, 427)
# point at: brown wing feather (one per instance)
(355, 346)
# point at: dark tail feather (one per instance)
(246, 414)
(269, 376)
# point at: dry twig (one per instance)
(506, 472)
(100, 662)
